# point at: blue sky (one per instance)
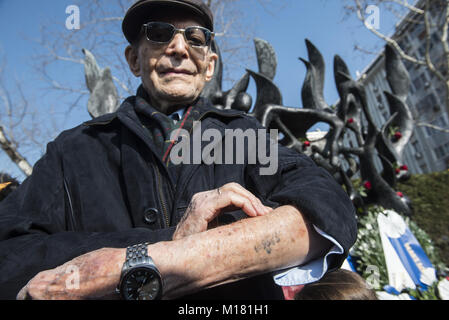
(320, 21)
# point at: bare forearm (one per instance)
(233, 252)
(253, 246)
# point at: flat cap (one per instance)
(140, 11)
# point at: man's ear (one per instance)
(132, 57)
(213, 58)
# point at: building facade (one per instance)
(428, 150)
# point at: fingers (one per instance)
(40, 287)
(23, 293)
(233, 194)
(207, 206)
(239, 190)
(32, 290)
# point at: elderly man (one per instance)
(106, 214)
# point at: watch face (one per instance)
(141, 284)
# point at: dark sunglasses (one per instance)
(162, 32)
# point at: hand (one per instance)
(206, 206)
(94, 275)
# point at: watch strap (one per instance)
(137, 254)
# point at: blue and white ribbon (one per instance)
(407, 264)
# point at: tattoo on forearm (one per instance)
(268, 244)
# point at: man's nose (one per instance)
(178, 46)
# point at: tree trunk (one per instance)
(13, 154)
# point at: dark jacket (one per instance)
(102, 184)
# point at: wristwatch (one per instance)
(140, 278)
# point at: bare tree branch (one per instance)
(431, 126)
(387, 39)
(433, 15)
(429, 62)
(405, 4)
(10, 149)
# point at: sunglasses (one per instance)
(162, 32)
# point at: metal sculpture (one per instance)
(350, 114)
(104, 97)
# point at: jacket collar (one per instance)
(128, 109)
(202, 105)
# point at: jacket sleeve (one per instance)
(34, 224)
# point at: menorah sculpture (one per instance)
(350, 114)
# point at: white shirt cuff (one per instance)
(312, 271)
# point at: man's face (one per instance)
(173, 74)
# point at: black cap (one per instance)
(139, 12)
